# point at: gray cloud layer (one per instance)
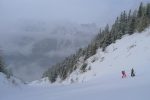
(81, 11)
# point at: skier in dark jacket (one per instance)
(132, 72)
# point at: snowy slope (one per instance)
(129, 52)
(11, 82)
(103, 81)
(41, 82)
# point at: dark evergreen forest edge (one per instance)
(127, 23)
(3, 68)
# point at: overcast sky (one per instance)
(79, 11)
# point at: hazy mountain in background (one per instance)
(33, 46)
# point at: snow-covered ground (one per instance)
(8, 84)
(103, 81)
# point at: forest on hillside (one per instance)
(126, 23)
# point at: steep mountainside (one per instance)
(132, 51)
(126, 24)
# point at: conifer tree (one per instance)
(140, 11)
(148, 13)
(2, 67)
(132, 26)
(148, 10)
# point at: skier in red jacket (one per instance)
(124, 74)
